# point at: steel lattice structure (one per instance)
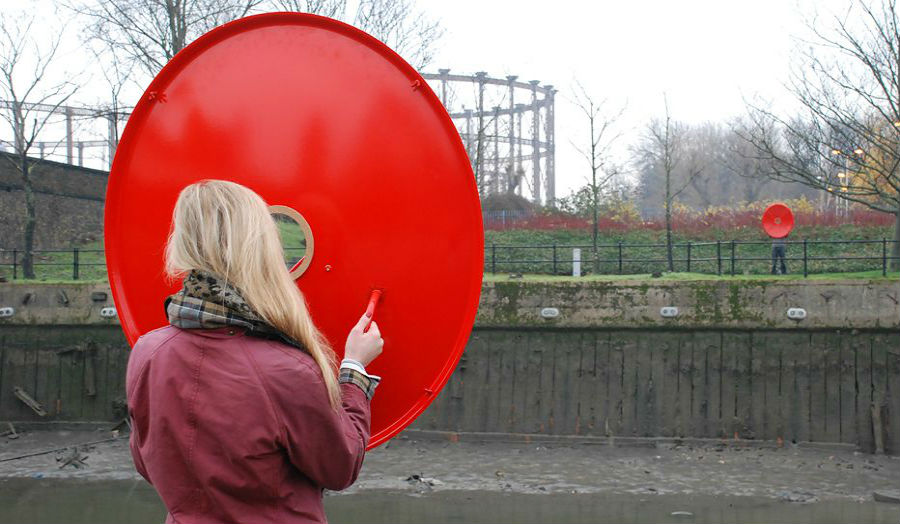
(506, 126)
(78, 130)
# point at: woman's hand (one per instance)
(362, 346)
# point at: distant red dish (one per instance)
(778, 220)
(320, 117)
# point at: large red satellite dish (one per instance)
(320, 117)
(778, 220)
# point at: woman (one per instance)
(239, 412)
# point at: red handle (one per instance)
(295, 266)
(370, 309)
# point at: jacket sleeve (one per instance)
(136, 453)
(136, 393)
(325, 444)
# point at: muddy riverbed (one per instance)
(412, 480)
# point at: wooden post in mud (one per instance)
(878, 428)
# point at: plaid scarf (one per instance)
(208, 301)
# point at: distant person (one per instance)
(778, 250)
(239, 410)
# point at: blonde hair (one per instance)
(225, 228)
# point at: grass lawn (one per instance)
(55, 275)
(834, 249)
(517, 251)
(56, 266)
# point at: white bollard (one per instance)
(576, 262)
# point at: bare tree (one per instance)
(397, 23)
(662, 150)
(601, 120)
(743, 162)
(406, 30)
(331, 8)
(117, 75)
(731, 172)
(846, 138)
(32, 97)
(487, 180)
(151, 32)
(479, 138)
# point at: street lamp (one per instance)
(840, 204)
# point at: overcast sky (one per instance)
(704, 54)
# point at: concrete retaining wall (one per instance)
(788, 385)
(77, 373)
(706, 304)
(720, 304)
(731, 364)
(69, 204)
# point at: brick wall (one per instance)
(69, 204)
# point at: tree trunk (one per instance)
(895, 248)
(669, 257)
(596, 220)
(30, 220)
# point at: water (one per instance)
(27, 501)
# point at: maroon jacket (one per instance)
(233, 428)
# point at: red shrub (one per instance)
(692, 222)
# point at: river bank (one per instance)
(406, 464)
(416, 480)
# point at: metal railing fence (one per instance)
(722, 257)
(78, 263)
